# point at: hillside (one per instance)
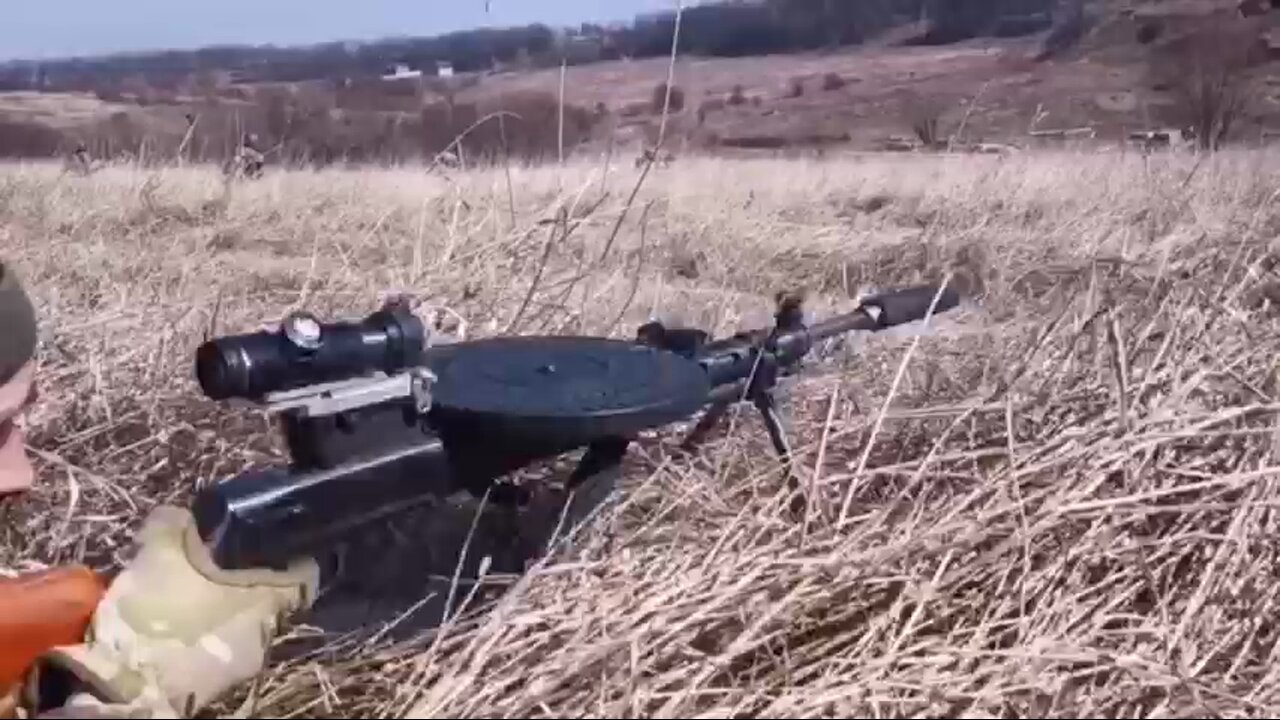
(725, 28)
(1114, 78)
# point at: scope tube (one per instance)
(255, 364)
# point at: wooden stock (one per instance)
(41, 610)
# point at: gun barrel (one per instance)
(732, 360)
(887, 310)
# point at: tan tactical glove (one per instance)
(174, 632)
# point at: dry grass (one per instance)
(1063, 507)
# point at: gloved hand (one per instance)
(174, 631)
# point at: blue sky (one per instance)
(56, 28)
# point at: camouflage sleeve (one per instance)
(174, 631)
(52, 692)
(83, 705)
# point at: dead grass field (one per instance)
(1059, 501)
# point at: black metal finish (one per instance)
(498, 405)
(561, 390)
(255, 364)
(895, 308)
(747, 365)
(327, 441)
(601, 456)
(267, 517)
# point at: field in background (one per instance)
(1058, 501)
(1152, 66)
(853, 99)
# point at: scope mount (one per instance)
(339, 396)
(305, 332)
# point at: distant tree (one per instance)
(659, 101)
(1068, 25)
(726, 28)
(1206, 70)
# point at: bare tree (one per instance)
(926, 114)
(1068, 25)
(1206, 71)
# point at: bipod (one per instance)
(594, 479)
(763, 383)
(589, 485)
(602, 458)
(759, 389)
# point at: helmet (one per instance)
(17, 324)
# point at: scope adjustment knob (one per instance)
(303, 330)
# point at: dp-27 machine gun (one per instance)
(376, 419)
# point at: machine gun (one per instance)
(377, 419)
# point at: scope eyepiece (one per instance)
(305, 351)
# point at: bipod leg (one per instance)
(555, 515)
(705, 424)
(591, 482)
(601, 456)
(507, 496)
(767, 404)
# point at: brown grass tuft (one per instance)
(663, 101)
(833, 81)
(1055, 502)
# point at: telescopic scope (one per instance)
(304, 351)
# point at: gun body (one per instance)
(266, 517)
(498, 405)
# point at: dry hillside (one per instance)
(1057, 501)
(1117, 78)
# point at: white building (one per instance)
(401, 71)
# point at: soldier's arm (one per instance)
(173, 631)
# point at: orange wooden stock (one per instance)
(41, 610)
